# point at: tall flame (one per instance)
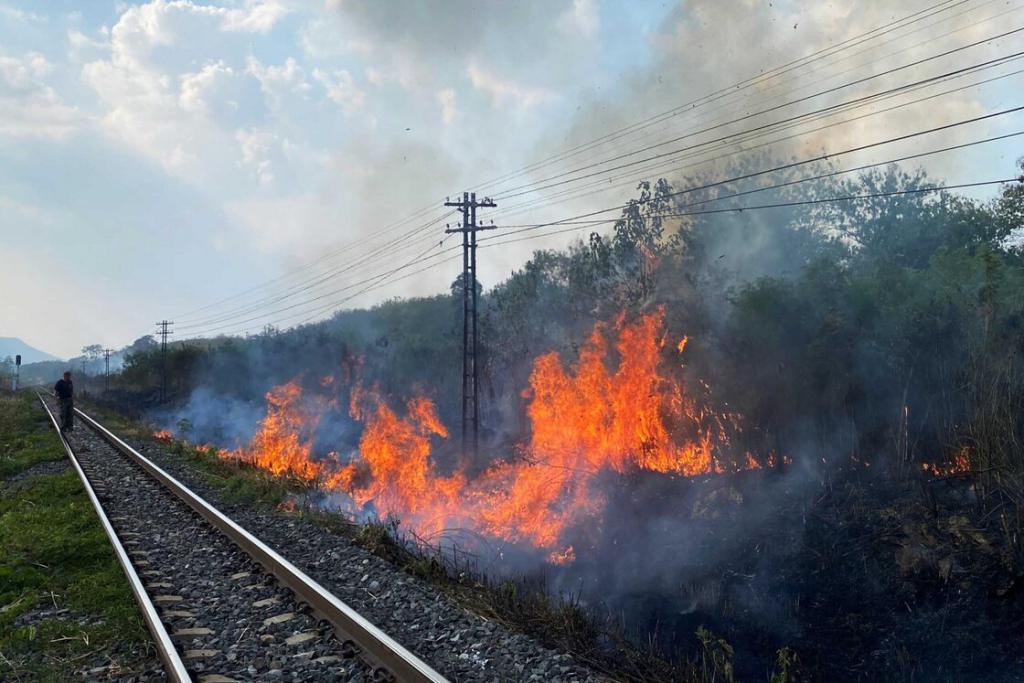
(615, 409)
(283, 441)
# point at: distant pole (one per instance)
(470, 374)
(163, 331)
(106, 370)
(17, 371)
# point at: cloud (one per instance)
(28, 106)
(449, 108)
(197, 88)
(502, 90)
(321, 38)
(24, 73)
(341, 88)
(582, 18)
(256, 146)
(81, 43)
(257, 16)
(280, 83)
(22, 15)
(176, 84)
(25, 211)
(424, 45)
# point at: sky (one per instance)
(159, 157)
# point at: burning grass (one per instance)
(619, 407)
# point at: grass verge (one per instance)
(64, 603)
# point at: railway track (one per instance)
(220, 604)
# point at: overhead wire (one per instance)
(793, 164)
(335, 252)
(320, 279)
(602, 183)
(380, 280)
(802, 202)
(521, 190)
(735, 87)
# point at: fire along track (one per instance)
(220, 604)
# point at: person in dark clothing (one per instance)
(64, 390)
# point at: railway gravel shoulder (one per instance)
(228, 616)
(460, 644)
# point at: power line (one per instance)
(375, 283)
(602, 186)
(739, 86)
(786, 166)
(564, 195)
(311, 283)
(307, 265)
(523, 189)
(777, 205)
(801, 78)
(798, 181)
(302, 287)
(296, 290)
(373, 278)
(382, 280)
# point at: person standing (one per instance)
(64, 390)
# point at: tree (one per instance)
(1010, 209)
(141, 344)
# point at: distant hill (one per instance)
(11, 346)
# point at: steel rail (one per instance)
(168, 653)
(379, 649)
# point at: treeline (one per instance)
(888, 328)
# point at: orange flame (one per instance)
(283, 441)
(163, 435)
(615, 409)
(961, 465)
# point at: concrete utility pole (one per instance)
(163, 331)
(470, 378)
(106, 369)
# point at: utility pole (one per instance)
(470, 376)
(106, 369)
(163, 332)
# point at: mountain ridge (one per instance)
(12, 346)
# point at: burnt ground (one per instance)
(865, 577)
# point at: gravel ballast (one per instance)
(228, 618)
(458, 643)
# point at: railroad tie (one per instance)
(192, 632)
(279, 619)
(300, 638)
(266, 602)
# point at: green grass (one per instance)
(54, 554)
(26, 437)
